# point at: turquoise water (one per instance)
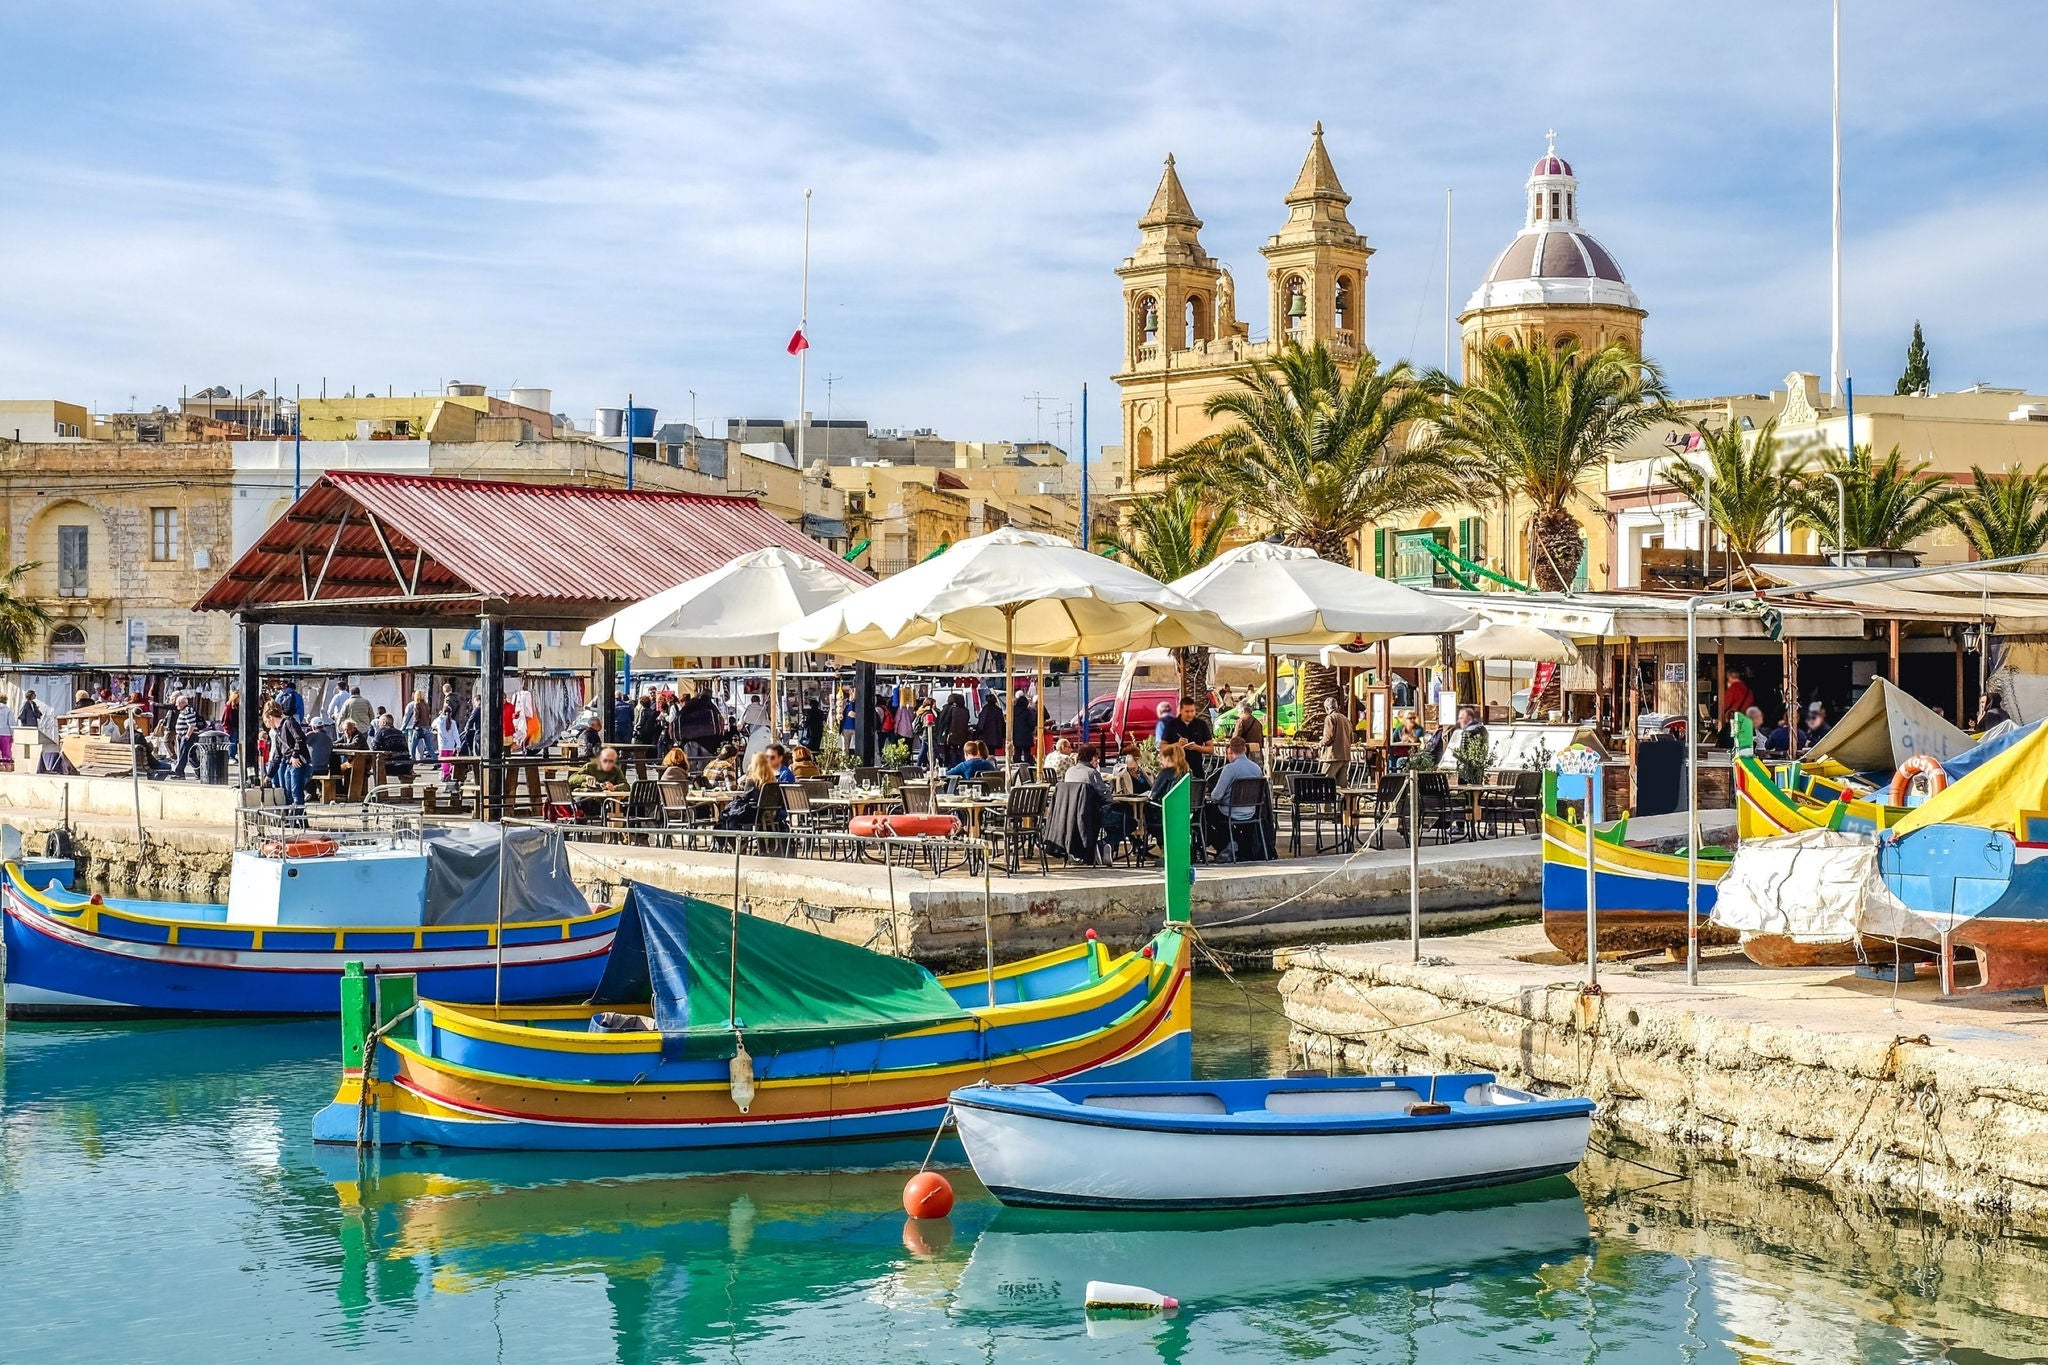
(160, 1201)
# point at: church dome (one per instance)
(1553, 260)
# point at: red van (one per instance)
(1114, 718)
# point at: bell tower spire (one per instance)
(1315, 264)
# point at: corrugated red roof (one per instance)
(549, 550)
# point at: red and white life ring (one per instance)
(300, 848)
(903, 826)
(1919, 765)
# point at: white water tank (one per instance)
(610, 423)
(540, 400)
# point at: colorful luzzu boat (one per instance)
(301, 905)
(714, 1029)
(1766, 806)
(1640, 894)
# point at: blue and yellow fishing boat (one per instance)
(1799, 799)
(712, 1029)
(1640, 893)
(301, 905)
(716, 1029)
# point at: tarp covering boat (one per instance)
(1993, 796)
(1885, 728)
(1816, 886)
(786, 987)
(1995, 741)
(462, 876)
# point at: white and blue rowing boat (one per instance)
(1262, 1143)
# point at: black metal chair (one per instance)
(643, 809)
(1313, 798)
(917, 798)
(1256, 795)
(1019, 824)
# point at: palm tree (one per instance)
(1745, 487)
(1886, 505)
(22, 621)
(2004, 514)
(1537, 421)
(1170, 535)
(1321, 458)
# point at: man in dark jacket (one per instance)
(955, 726)
(988, 726)
(811, 734)
(1024, 727)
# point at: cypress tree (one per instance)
(1917, 376)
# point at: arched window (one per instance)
(67, 645)
(1294, 295)
(1565, 342)
(1344, 320)
(1144, 447)
(1148, 320)
(1195, 323)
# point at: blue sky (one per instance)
(604, 197)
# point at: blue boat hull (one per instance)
(57, 969)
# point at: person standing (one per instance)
(289, 754)
(1336, 741)
(358, 709)
(290, 702)
(419, 743)
(6, 736)
(185, 735)
(988, 726)
(1190, 729)
(1023, 727)
(231, 721)
(811, 734)
(955, 725)
(447, 740)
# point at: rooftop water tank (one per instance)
(609, 423)
(540, 400)
(459, 390)
(643, 422)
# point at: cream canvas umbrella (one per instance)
(1015, 591)
(737, 608)
(1288, 595)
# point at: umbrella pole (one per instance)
(774, 708)
(1273, 698)
(1010, 698)
(1038, 753)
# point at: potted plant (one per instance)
(1471, 756)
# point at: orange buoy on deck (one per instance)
(928, 1195)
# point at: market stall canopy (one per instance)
(738, 608)
(1019, 592)
(1510, 643)
(2014, 603)
(1994, 795)
(1886, 727)
(1290, 595)
(1641, 616)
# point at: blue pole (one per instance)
(1087, 543)
(629, 442)
(1849, 389)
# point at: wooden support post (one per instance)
(1720, 677)
(607, 688)
(249, 679)
(490, 726)
(1958, 716)
(1791, 651)
(1893, 673)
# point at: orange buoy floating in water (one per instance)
(928, 1195)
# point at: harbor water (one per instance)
(160, 1200)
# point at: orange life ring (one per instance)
(300, 848)
(1919, 765)
(902, 826)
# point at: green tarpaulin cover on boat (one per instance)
(790, 988)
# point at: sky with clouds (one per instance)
(608, 197)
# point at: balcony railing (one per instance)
(1148, 353)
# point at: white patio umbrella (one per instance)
(1522, 644)
(1013, 591)
(1288, 595)
(737, 608)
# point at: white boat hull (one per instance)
(1033, 1161)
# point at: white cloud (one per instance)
(605, 198)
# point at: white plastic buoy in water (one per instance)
(1128, 1297)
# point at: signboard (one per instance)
(138, 634)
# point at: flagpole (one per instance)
(1835, 334)
(803, 326)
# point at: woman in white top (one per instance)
(448, 739)
(6, 736)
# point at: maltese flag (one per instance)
(798, 341)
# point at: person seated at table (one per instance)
(724, 769)
(604, 772)
(744, 810)
(1060, 759)
(588, 740)
(1173, 766)
(1128, 776)
(1083, 770)
(675, 766)
(974, 764)
(387, 739)
(1217, 817)
(802, 764)
(779, 756)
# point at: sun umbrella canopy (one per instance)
(1287, 594)
(1020, 591)
(1521, 644)
(736, 609)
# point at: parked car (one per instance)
(1119, 716)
